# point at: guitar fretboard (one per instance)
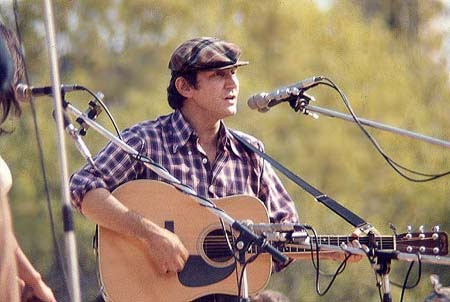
(381, 242)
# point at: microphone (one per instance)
(263, 101)
(25, 92)
(79, 143)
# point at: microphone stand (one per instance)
(330, 113)
(246, 235)
(69, 234)
(383, 268)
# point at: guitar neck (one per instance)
(381, 242)
(428, 243)
(300, 251)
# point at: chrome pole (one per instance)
(71, 259)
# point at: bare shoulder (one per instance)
(5, 178)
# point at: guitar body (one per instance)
(128, 273)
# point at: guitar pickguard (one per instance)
(197, 272)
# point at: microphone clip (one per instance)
(92, 112)
(301, 102)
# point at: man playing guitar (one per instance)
(194, 145)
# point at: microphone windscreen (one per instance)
(6, 67)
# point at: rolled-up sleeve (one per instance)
(113, 167)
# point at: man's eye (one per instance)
(224, 73)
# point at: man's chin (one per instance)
(231, 113)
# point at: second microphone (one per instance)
(263, 101)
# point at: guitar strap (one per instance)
(345, 213)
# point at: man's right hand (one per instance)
(163, 247)
(167, 251)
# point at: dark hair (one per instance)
(175, 99)
(8, 100)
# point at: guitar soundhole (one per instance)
(215, 246)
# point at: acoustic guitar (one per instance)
(127, 273)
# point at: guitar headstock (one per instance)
(426, 243)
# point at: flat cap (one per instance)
(205, 54)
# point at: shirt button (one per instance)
(204, 160)
(189, 152)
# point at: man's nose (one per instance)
(232, 80)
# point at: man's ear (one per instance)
(183, 87)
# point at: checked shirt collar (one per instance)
(180, 131)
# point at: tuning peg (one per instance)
(422, 232)
(436, 230)
(408, 231)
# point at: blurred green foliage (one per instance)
(122, 48)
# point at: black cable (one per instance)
(339, 270)
(248, 261)
(111, 118)
(395, 165)
(404, 287)
(341, 266)
(56, 246)
(316, 267)
(419, 274)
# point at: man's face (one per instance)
(217, 92)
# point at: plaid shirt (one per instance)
(171, 142)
